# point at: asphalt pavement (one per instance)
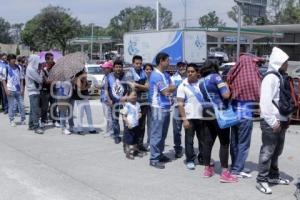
(90, 167)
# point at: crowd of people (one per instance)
(199, 98)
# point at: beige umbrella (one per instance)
(67, 67)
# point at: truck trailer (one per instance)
(182, 45)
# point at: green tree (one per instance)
(16, 32)
(210, 20)
(4, 31)
(138, 18)
(290, 14)
(53, 27)
(234, 13)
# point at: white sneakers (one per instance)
(56, 124)
(190, 165)
(244, 175)
(13, 124)
(66, 131)
(264, 187)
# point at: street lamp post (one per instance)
(157, 14)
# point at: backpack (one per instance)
(287, 103)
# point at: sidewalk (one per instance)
(61, 167)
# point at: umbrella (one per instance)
(67, 67)
(56, 54)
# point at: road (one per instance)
(72, 167)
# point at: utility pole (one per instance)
(185, 14)
(239, 33)
(157, 14)
(92, 38)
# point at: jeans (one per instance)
(240, 144)
(4, 101)
(115, 116)
(107, 111)
(177, 127)
(15, 97)
(81, 107)
(148, 126)
(45, 100)
(271, 149)
(70, 111)
(212, 131)
(142, 125)
(196, 126)
(159, 131)
(35, 111)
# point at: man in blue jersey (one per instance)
(177, 79)
(3, 97)
(160, 92)
(137, 77)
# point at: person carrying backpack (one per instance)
(276, 107)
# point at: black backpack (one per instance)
(287, 99)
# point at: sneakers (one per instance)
(190, 165)
(106, 135)
(208, 172)
(157, 165)
(42, 125)
(278, 181)
(23, 122)
(56, 124)
(244, 175)
(13, 124)
(117, 140)
(264, 187)
(39, 131)
(227, 177)
(178, 154)
(164, 159)
(66, 131)
(93, 132)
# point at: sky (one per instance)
(100, 12)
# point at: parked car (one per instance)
(296, 73)
(218, 53)
(95, 76)
(224, 69)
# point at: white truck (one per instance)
(182, 45)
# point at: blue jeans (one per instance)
(15, 97)
(115, 119)
(159, 130)
(35, 111)
(177, 127)
(271, 148)
(107, 111)
(240, 144)
(149, 118)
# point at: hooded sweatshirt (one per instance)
(270, 89)
(34, 79)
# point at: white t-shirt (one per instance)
(132, 111)
(13, 78)
(192, 106)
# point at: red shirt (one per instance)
(244, 80)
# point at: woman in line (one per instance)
(214, 89)
(81, 104)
